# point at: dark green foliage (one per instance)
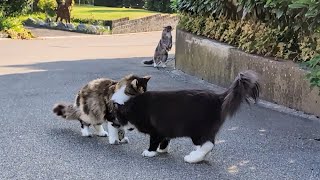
(159, 5)
(120, 3)
(14, 7)
(297, 15)
(314, 75)
(286, 29)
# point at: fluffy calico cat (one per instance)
(164, 46)
(197, 114)
(92, 105)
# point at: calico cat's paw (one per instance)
(86, 134)
(147, 153)
(102, 133)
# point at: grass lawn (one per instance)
(108, 13)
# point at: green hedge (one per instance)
(286, 29)
(120, 3)
(14, 7)
(160, 6)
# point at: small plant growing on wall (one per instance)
(314, 75)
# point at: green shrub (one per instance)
(314, 75)
(47, 6)
(159, 6)
(286, 29)
(14, 7)
(253, 37)
(14, 28)
(174, 5)
(120, 3)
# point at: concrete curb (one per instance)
(282, 83)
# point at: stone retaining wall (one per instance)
(150, 23)
(282, 82)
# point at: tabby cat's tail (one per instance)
(67, 111)
(148, 62)
(244, 87)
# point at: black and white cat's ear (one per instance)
(134, 83)
(147, 78)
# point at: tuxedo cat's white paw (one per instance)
(125, 140)
(163, 150)
(147, 153)
(163, 65)
(200, 153)
(195, 157)
(155, 65)
(114, 141)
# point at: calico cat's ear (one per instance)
(134, 83)
(147, 78)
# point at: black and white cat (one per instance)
(197, 114)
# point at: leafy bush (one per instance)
(314, 75)
(14, 28)
(174, 5)
(47, 6)
(120, 3)
(89, 21)
(287, 29)
(160, 6)
(14, 7)
(253, 37)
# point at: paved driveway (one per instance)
(258, 143)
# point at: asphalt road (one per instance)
(257, 143)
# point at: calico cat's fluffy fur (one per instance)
(197, 114)
(164, 46)
(92, 105)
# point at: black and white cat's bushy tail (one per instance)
(67, 111)
(148, 62)
(244, 87)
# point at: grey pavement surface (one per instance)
(43, 32)
(257, 143)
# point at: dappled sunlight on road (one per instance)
(17, 70)
(19, 52)
(234, 169)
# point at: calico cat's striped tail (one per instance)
(148, 62)
(67, 111)
(244, 87)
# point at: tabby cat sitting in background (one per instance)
(164, 46)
